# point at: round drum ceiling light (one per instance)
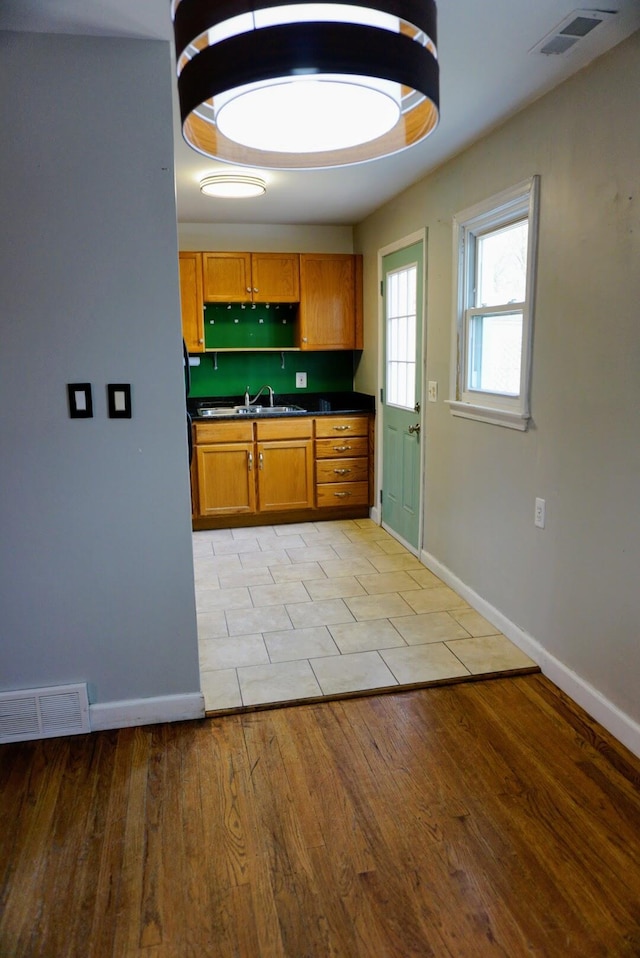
(232, 186)
(306, 85)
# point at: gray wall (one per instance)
(260, 238)
(97, 574)
(573, 587)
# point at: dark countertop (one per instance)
(317, 404)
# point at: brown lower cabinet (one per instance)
(342, 461)
(225, 479)
(266, 470)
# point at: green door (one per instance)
(403, 273)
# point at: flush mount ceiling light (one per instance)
(280, 85)
(232, 186)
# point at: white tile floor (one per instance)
(317, 609)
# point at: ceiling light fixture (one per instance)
(232, 186)
(306, 85)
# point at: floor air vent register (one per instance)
(43, 713)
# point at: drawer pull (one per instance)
(342, 472)
(341, 448)
(341, 428)
(341, 495)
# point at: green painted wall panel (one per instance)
(258, 326)
(326, 372)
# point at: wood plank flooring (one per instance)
(483, 819)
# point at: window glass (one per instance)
(501, 258)
(495, 347)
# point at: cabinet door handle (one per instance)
(255, 289)
(342, 472)
(260, 461)
(341, 495)
(248, 289)
(250, 460)
(341, 428)
(341, 448)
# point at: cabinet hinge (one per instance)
(382, 287)
(381, 495)
(382, 395)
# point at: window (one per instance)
(401, 337)
(495, 257)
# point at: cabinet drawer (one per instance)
(342, 448)
(223, 432)
(342, 470)
(342, 493)
(342, 426)
(296, 428)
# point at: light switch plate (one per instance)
(432, 393)
(119, 400)
(301, 380)
(80, 401)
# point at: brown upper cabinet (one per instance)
(191, 301)
(330, 301)
(328, 287)
(251, 277)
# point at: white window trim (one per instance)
(499, 210)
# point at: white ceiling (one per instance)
(487, 73)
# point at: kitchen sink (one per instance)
(217, 411)
(283, 409)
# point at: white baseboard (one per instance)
(621, 725)
(163, 708)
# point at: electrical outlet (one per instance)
(301, 380)
(540, 513)
(432, 392)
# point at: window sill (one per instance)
(496, 417)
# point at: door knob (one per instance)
(415, 428)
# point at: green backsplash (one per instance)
(257, 326)
(326, 372)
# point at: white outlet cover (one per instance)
(301, 380)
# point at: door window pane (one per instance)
(401, 337)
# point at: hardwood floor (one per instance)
(490, 818)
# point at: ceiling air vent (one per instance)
(43, 713)
(573, 28)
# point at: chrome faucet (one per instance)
(250, 402)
